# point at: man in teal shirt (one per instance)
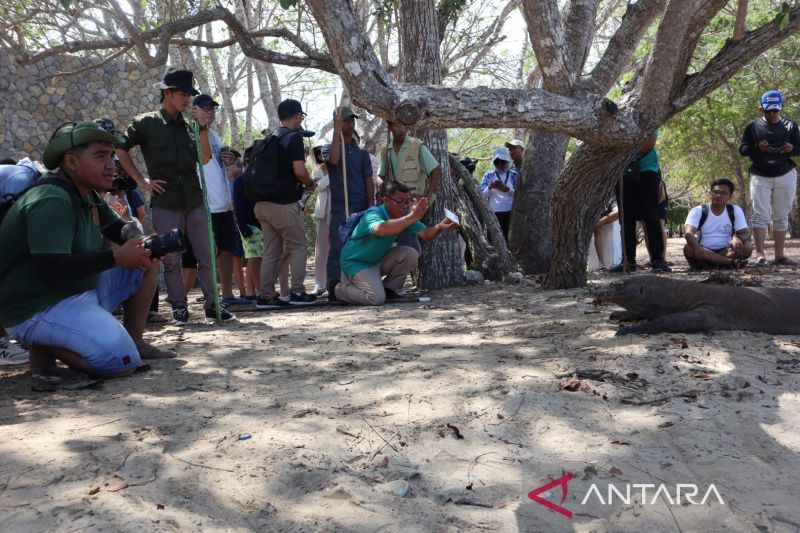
(369, 254)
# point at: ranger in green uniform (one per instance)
(170, 154)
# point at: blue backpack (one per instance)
(349, 226)
(15, 180)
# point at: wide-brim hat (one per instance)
(176, 78)
(321, 142)
(515, 142)
(69, 135)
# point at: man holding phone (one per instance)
(770, 142)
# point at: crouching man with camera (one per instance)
(58, 286)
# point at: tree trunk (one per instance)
(420, 62)
(477, 221)
(531, 235)
(581, 194)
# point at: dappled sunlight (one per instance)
(786, 429)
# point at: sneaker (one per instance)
(250, 298)
(302, 298)
(229, 302)
(271, 303)
(661, 266)
(211, 315)
(393, 295)
(155, 318)
(12, 354)
(621, 268)
(332, 290)
(180, 315)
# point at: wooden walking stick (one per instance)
(211, 243)
(343, 156)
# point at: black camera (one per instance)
(161, 245)
(122, 184)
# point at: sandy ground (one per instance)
(340, 401)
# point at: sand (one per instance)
(297, 421)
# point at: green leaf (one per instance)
(783, 16)
(65, 3)
(286, 4)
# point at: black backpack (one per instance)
(261, 181)
(731, 215)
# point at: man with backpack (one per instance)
(373, 269)
(58, 285)
(274, 181)
(716, 233)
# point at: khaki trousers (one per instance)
(367, 287)
(283, 226)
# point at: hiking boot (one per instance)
(12, 354)
(661, 266)
(621, 268)
(211, 315)
(271, 303)
(302, 298)
(180, 315)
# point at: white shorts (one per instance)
(772, 200)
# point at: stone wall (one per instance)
(33, 105)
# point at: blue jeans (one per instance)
(335, 254)
(83, 324)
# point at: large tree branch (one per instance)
(623, 43)
(161, 37)
(549, 43)
(663, 71)
(579, 31)
(730, 59)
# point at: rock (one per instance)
(398, 487)
(474, 276)
(514, 277)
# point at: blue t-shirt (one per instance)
(359, 169)
(365, 249)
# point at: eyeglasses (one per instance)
(407, 201)
(716, 192)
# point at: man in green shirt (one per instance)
(369, 253)
(58, 285)
(170, 154)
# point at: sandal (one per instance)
(760, 262)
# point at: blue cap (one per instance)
(771, 100)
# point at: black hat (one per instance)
(289, 108)
(175, 78)
(203, 100)
(468, 163)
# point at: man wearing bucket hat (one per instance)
(168, 147)
(498, 187)
(58, 285)
(770, 142)
(516, 148)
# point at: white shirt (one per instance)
(716, 232)
(219, 193)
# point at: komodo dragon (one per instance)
(684, 306)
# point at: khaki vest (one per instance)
(408, 168)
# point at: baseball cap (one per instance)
(771, 100)
(346, 112)
(203, 100)
(515, 142)
(289, 108)
(503, 154)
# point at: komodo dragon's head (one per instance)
(640, 294)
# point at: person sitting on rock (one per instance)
(716, 233)
(373, 269)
